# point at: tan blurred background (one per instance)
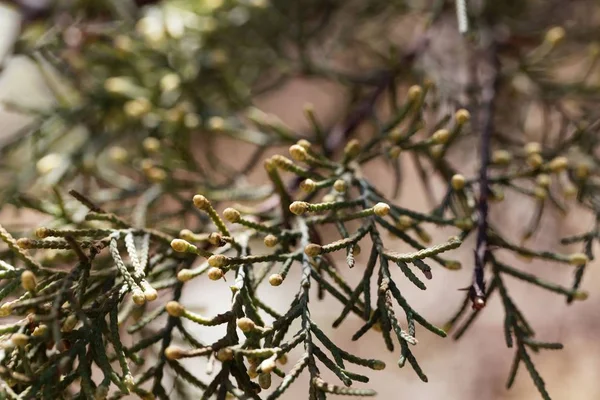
(476, 367)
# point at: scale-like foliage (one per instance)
(144, 100)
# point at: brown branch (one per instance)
(489, 89)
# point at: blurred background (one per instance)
(474, 367)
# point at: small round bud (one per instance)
(578, 259)
(377, 365)
(185, 275)
(352, 149)
(217, 260)
(150, 293)
(440, 136)
(276, 280)
(313, 249)
(24, 243)
(69, 324)
(555, 35)
(138, 297)
(201, 202)
(174, 353)
(533, 148)
(496, 194)
(580, 295)
(458, 182)
(232, 215)
(535, 160)
(340, 185)
(299, 207)
(394, 152)
(395, 135)
(186, 234)
(501, 157)
(298, 153)
(304, 143)
(414, 92)
(117, 154)
(543, 180)
(216, 123)
(191, 120)
(381, 209)
(117, 84)
(436, 151)
(540, 193)
(404, 222)
(48, 163)
(246, 324)
(5, 309)
(137, 108)
(356, 250)
(462, 116)
(146, 165)
(264, 380)
(464, 224)
(28, 281)
(156, 175)
(271, 240)
(19, 339)
(558, 164)
(267, 365)
(582, 170)
(41, 232)
(179, 245)
(424, 236)
(170, 82)
(151, 144)
(214, 274)
(308, 185)
(122, 43)
(40, 330)
(173, 114)
(216, 239)
(269, 165)
(175, 309)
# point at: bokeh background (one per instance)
(474, 367)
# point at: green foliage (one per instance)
(143, 102)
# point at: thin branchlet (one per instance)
(88, 278)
